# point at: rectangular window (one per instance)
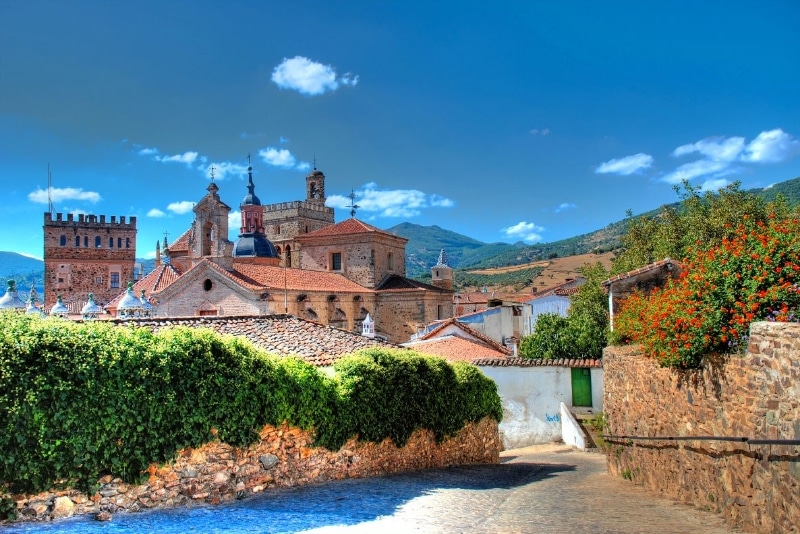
(336, 261)
(114, 279)
(98, 280)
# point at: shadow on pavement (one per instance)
(338, 503)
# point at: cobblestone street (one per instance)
(543, 489)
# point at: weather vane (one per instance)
(248, 160)
(353, 206)
(212, 172)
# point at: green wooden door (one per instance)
(581, 386)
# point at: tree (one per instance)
(698, 219)
(582, 333)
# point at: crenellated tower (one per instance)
(86, 255)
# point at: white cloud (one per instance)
(714, 148)
(155, 212)
(565, 206)
(223, 169)
(61, 194)
(309, 77)
(540, 131)
(234, 222)
(627, 165)
(147, 151)
(714, 184)
(187, 157)
(701, 167)
(771, 147)
(720, 154)
(390, 203)
(282, 157)
(179, 208)
(524, 231)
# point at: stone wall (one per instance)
(284, 457)
(755, 395)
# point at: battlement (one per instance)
(298, 204)
(88, 221)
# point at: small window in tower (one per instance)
(119, 242)
(390, 261)
(336, 261)
(77, 240)
(436, 274)
(97, 243)
(110, 242)
(127, 242)
(207, 285)
(98, 280)
(278, 229)
(114, 279)
(60, 280)
(63, 241)
(86, 241)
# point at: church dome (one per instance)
(254, 246)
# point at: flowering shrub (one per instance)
(752, 275)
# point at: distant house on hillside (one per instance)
(554, 300)
(644, 280)
(456, 341)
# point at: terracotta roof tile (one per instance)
(641, 270)
(394, 282)
(182, 243)
(456, 348)
(534, 362)
(295, 279)
(567, 288)
(348, 227)
(159, 278)
(282, 335)
(438, 330)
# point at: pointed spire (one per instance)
(442, 261)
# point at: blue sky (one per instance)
(504, 121)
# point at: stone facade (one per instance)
(365, 258)
(284, 457)
(755, 395)
(86, 255)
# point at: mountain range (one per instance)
(425, 243)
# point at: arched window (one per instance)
(110, 242)
(127, 242)
(63, 241)
(86, 241)
(119, 242)
(97, 243)
(77, 240)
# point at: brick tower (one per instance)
(87, 255)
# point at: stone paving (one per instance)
(543, 489)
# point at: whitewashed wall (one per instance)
(531, 399)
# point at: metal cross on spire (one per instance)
(212, 172)
(353, 206)
(248, 160)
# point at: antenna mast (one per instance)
(50, 191)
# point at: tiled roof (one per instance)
(456, 348)
(537, 362)
(438, 330)
(182, 243)
(474, 297)
(393, 282)
(641, 270)
(348, 227)
(159, 278)
(569, 287)
(283, 335)
(295, 279)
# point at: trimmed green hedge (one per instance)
(78, 401)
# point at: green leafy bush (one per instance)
(78, 401)
(582, 333)
(754, 274)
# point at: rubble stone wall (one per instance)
(755, 395)
(283, 457)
